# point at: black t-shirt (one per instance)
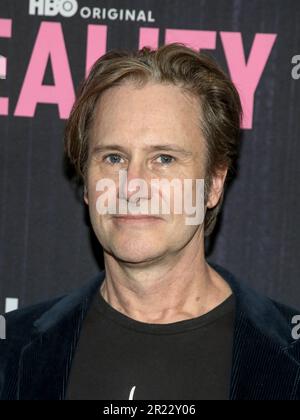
(119, 358)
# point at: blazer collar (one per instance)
(263, 365)
(45, 362)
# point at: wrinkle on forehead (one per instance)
(117, 102)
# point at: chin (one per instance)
(136, 251)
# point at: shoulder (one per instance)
(19, 323)
(287, 312)
(264, 317)
(16, 331)
(273, 318)
(23, 327)
(291, 316)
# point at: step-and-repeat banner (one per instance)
(48, 46)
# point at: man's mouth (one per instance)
(137, 219)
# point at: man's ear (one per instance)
(217, 186)
(85, 195)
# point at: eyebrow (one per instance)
(165, 147)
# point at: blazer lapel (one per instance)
(264, 366)
(45, 362)
(262, 369)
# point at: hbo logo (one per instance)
(66, 8)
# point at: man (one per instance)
(159, 322)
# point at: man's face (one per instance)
(152, 133)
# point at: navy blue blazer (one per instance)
(36, 357)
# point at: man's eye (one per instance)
(113, 159)
(166, 159)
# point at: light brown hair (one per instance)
(196, 73)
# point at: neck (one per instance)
(175, 288)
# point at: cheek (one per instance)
(91, 198)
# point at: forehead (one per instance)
(151, 110)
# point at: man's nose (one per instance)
(137, 181)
